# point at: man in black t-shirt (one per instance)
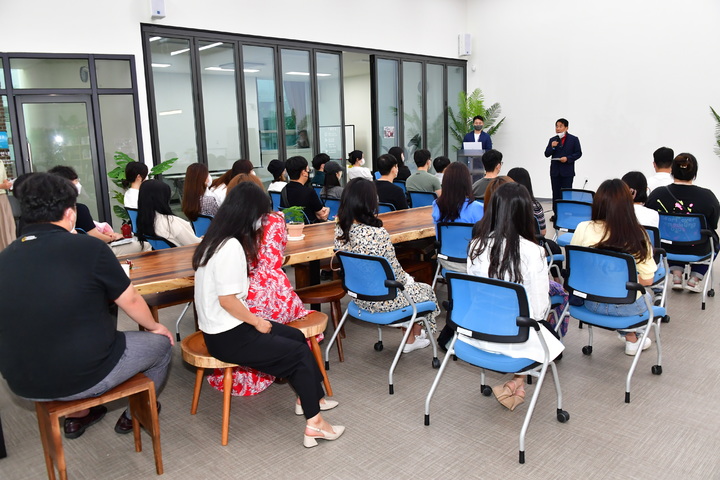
(296, 193)
(388, 192)
(58, 340)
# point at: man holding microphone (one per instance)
(565, 150)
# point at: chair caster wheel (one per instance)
(486, 390)
(587, 349)
(665, 319)
(378, 347)
(656, 369)
(435, 363)
(454, 358)
(562, 416)
(711, 292)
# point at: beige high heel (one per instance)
(328, 405)
(311, 441)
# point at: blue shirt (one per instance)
(471, 212)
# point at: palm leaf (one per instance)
(717, 131)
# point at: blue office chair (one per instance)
(370, 278)
(686, 239)
(333, 204)
(377, 175)
(494, 311)
(662, 277)
(385, 207)
(201, 224)
(318, 190)
(401, 184)
(132, 213)
(577, 194)
(610, 277)
(421, 199)
(275, 197)
(452, 243)
(552, 258)
(568, 214)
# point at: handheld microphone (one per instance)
(586, 180)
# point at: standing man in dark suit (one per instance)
(477, 135)
(565, 150)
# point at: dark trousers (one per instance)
(282, 353)
(558, 183)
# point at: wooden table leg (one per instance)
(321, 364)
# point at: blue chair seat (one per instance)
(564, 239)
(388, 318)
(613, 323)
(686, 258)
(491, 361)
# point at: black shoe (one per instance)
(124, 424)
(74, 427)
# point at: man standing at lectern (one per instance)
(565, 150)
(477, 135)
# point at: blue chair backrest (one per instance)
(275, 197)
(385, 207)
(377, 175)
(569, 213)
(318, 190)
(364, 276)
(600, 275)
(486, 308)
(333, 204)
(401, 184)
(132, 213)
(454, 239)
(681, 229)
(422, 199)
(577, 195)
(201, 225)
(159, 243)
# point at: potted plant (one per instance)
(470, 105)
(295, 219)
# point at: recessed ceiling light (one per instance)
(250, 70)
(219, 69)
(170, 112)
(178, 52)
(305, 74)
(155, 39)
(212, 45)
(161, 65)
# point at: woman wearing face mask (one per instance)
(356, 159)
(477, 135)
(333, 174)
(196, 198)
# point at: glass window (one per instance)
(261, 106)
(329, 114)
(2, 74)
(412, 107)
(7, 155)
(175, 114)
(435, 113)
(220, 107)
(298, 101)
(113, 73)
(387, 104)
(49, 73)
(455, 85)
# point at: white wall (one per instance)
(630, 76)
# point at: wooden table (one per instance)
(166, 277)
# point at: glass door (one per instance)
(59, 130)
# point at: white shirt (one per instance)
(220, 192)
(175, 229)
(364, 172)
(659, 179)
(224, 274)
(131, 197)
(276, 186)
(647, 216)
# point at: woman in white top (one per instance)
(219, 186)
(277, 170)
(637, 183)
(135, 175)
(235, 335)
(503, 247)
(356, 159)
(156, 218)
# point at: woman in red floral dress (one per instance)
(270, 296)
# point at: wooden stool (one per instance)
(332, 293)
(195, 352)
(140, 391)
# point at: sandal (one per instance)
(510, 395)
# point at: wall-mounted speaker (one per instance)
(157, 9)
(464, 45)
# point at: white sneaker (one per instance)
(631, 348)
(694, 284)
(417, 345)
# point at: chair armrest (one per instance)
(527, 322)
(706, 232)
(394, 283)
(635, 286)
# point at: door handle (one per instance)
(29, 148)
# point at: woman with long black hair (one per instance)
(156, 218)
(232, 333)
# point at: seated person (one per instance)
(156, 218)
(219, 186)
(135, 174)
(458, 204)
(356, 159)
(277, 170)
(318, 163)
(296, 193)
(331, 187)
(59, 340)
(422, 180)
(403, 170)
(492, 162)
(388, 192)
(86, 224)
(638, 188)
(440, 164)
(197, 200)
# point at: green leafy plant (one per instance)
(294, 214)
(117, 175)
(717, 131)
(468, 107)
